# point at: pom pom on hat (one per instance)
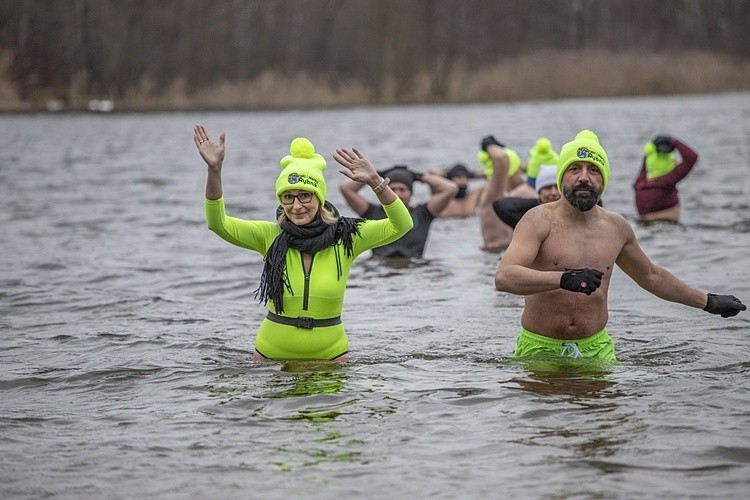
(514, 162)
(547, 177)
(658, 164)
(302, 169)
(541, 153)
(585, 147)
(301, 147)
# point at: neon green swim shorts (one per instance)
(598, 346)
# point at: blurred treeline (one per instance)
(183, 54)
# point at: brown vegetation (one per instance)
(226, 54)
(540, 76)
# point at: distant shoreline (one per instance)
(543, 76)
(343, 106)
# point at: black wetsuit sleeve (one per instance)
(510, 210)
(375, 212)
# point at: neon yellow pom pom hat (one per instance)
(658, 164)
(302, 169)
(585, 147)
(541, 153)
(514, 162)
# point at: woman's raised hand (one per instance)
(357, 167)
(212, 153)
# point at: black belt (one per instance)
(302, 321)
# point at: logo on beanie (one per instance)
(295, 178)
(585, 153)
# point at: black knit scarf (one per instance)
(310, 238)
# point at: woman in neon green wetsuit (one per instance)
(308, 251)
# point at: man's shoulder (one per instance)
(552, 209)
(613, 217)
(557, 211)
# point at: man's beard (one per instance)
(462, 192)
(584, 198)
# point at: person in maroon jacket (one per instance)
(656, 196)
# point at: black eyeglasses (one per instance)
(303, 197)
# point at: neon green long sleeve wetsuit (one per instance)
(319, 294)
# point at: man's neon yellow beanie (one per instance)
(514, 162)
(302, 169)
(658, 164)
(585, 147)
(541, 153)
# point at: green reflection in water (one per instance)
(566, 376)
(321, 413)
(308, 378)
(312, 379)
(579, 418)
(316, 457)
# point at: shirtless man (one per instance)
(504, 173)
(562, 256)
(464, 203)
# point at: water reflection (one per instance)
(317, 442)
(567, 377)
(269, 381)
(569, 387)
(308, 378)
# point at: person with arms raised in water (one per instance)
(464, 203)
(562, 256)
(308, 251)
(656, 196)
(402, 179)
(502, 168)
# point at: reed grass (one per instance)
(539, 76)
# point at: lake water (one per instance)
(127, 326)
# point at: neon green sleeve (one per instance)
(381, 232)
(251, 234)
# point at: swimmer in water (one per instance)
(656, 196)
(562, 257)
(503, 171)
(412, 245)
(304, 300)
(511, 209)
(464, 203)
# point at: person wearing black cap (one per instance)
(402, 180)
(464, 204)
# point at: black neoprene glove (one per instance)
(663, 143)
(490, 140)
(583, 280)
(726, 305)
